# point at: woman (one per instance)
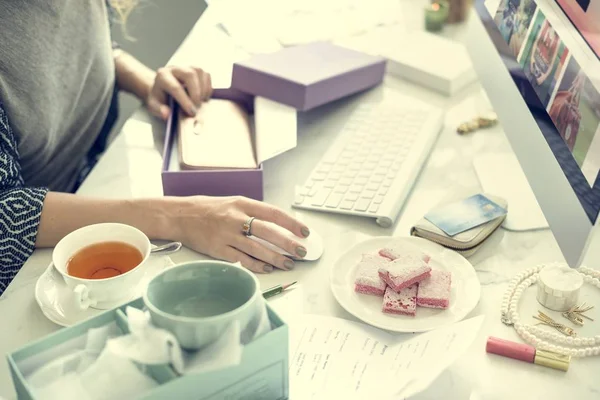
(59, 78)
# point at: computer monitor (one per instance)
(539, 62)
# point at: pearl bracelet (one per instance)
(541, 338)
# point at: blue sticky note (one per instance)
(466, 214)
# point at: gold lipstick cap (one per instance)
(552, 360)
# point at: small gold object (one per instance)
(481, 122)
(575, 314)
(552, 360)
(546, 320)
(247, 227)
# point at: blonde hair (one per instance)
(122, 9)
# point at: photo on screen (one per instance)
(513, 19)
(543, 58)
(585, 15)
(575, 111)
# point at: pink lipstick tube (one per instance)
(524, 352)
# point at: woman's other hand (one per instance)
(213, 226)
(189, 86)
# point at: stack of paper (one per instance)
(333, 358)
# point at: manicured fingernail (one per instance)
(268, 268)
(194, 110)
(289, 264)
(300, 251)
(305, 231)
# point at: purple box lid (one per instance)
(308, 76)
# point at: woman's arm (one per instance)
(20, 208)
(133, 76)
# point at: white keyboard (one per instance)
(371, 166)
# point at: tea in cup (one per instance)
(102, 264)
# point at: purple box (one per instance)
(308, 76)
(247, 182)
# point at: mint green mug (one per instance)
(197, 301)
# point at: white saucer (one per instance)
(58, 304)
(465, 294)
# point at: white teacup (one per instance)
(101, 293)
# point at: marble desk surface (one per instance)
(131, 168)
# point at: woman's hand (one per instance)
(189, 86)
(213, 226)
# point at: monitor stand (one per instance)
(501, 174)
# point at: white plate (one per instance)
(464, 296)
(56, 299)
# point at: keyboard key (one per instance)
(324, 168)
(338, 169)
(347, 205)
(341, 188)
(354, 167)
(346, 181)
(314, 190)
(351, 196)
(299, 199)
(334, 200)
(380, 171)
(387, 183)
(383, 191)
(329, 184)
(303, 191)
(348, 153)
(368, 194)
(374, 208)
(361, 179)
(362, 204)
(356, 188)
(385, 163)
(378, 199)
(320, 198)
(372, 186)
(369, 166)
(377, 178)
(309, 183)
(319, 176)
(334, 176)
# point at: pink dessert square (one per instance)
(434, 292)
(404, 271)
(367, 279)
(404, 303)
(401, 250)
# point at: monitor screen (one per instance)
(585, 16)
(558, 74)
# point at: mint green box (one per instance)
(262, 373)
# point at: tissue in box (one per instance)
(262, 372)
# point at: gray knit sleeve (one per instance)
(20, 208)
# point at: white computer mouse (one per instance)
(313, 244)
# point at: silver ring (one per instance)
(247, 227)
